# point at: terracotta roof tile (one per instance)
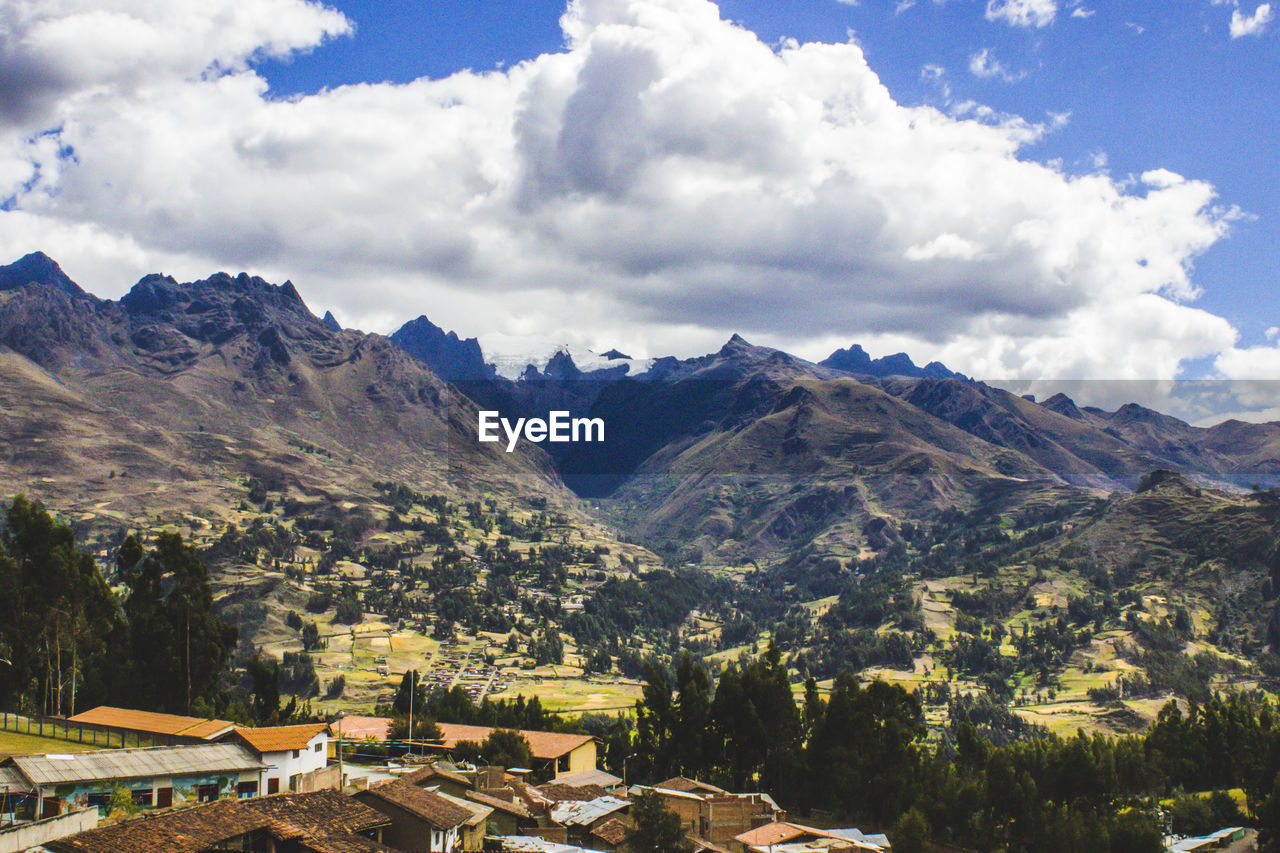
(428, 805)
(770, 833)
(152, 723)
(323, 821)
(281, 738)
(355, 727)
(499, 804)
(428, 772)
(543, 745)
(560, 793)
(611, 831)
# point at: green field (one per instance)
(12, 743)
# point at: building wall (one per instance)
(28, 835)
(185, 789)
(408, 831)
(580, 759)
(282, 766)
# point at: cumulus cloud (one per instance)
(1251, 25)
(1022, 13)
(664, 180)
(984, 64)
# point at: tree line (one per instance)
(69, 642)
(863, 754)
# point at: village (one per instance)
(174, 784)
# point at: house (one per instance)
(295, 756)
(534, 844)
(782, 837)
(358, 729)
(611, 784)
(1219, 840)
(555, 754)
(421, 820)
(440, 777)
(609, 835)
(317, 822)
(157, 729)
(509, 817)
(581, 818)
(154, 776)
(475, 829)
(714, 814)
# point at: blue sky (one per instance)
(1147, 85)
(1023, 189)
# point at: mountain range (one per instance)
(172, 396)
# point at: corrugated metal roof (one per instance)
(534, 844)
(146, 763)
(589, 777)
(580, 813)
(12, 780)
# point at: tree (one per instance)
(507, 748)
(911, 832)
(657, 829)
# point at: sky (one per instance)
(1030, 190)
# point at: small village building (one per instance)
(604, 779)
(477, 827)
(782, 837)
(354, 728)
(295, 756)
(421, 820)
(155, 729)
(155, 777)
(439, 776)
(509, 817)
(555, 754)
(316, 822)
(715, 814)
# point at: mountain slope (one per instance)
(214, 381)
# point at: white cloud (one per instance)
(665, 180)
(984, 64)
(1082, 12)
(1251, 25)
(1022, 13)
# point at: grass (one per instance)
(13, 743)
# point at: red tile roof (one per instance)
(153, 723)
(281, 738)
(323, 822)
(355, 727)
(612, 831)
(543, 745)
(428, 805)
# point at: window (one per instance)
(319, 747)
(562, 764)
(142, 797)
(206, 793)
(245, 790)
(102, 801)
(297, 753)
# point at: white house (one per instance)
(294, 755)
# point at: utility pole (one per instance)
(342, 777)
(413, 688)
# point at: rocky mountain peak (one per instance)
(37, 268)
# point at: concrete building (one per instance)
(421, 820)
(554, 754)
(295, 756)
(154, 777)
(715, 814)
